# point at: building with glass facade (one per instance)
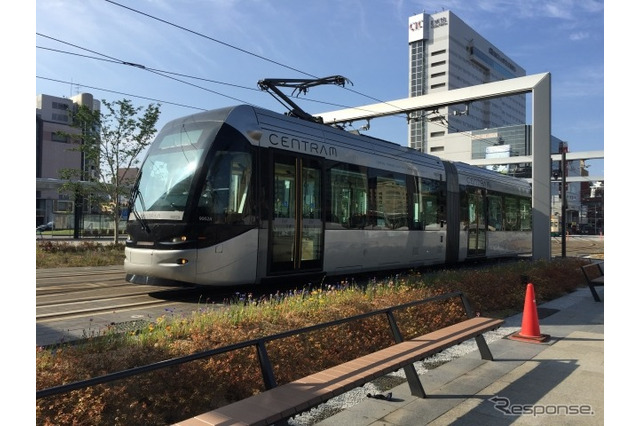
(447, 54)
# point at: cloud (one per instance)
(577, 36)
(508, 9)
(580, 82)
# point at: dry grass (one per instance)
(176, 393)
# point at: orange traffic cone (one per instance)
(530, 331)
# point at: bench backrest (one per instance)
(593, 270)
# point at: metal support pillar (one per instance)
(541, 167)
(563, 195)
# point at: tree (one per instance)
(111, 143)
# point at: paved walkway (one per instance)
(559, 382)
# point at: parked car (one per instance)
(587, 229)
(45, 227)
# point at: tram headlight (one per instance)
(179, 239)
(182, 261)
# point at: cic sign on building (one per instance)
(418, 27)
(422, 23)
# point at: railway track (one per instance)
(579, 246)
(73, 303)
(70, 292)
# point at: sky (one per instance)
(191, 56)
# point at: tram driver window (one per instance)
(225, 193)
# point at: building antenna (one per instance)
(71, 86)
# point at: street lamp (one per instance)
(563, 148)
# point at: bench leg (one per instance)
(412, 375)
(596, 297)
(485, 353)
(414, 382)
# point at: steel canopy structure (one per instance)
(539, 85)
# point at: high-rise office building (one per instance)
(447, 54)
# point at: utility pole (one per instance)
(563, 195)
(78, 200)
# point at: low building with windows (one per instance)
(55, 151)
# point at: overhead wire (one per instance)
(123, 93)
(239, 49)
(170, 74)
(118, 61)
(164, 73)
(140, 66)
(209, 38)
(224, 44)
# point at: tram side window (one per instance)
(311, 193)
(472, 203)
(225, 195)
(388, 200)
(464, 209)
(511, 213)
(348, 197)
(495, 212)
(432, 205)
(525, 214)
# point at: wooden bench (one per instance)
(594, 274)
(276, 405)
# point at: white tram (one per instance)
(242, 195)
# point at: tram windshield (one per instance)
(168, 170)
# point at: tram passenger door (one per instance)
(296, 237)
(477, 236)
